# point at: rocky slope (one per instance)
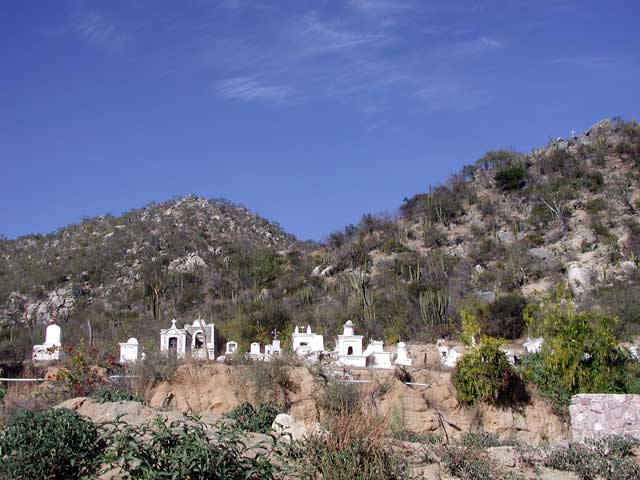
(492, 237)
(96, 267)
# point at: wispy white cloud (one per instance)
(585, 61)
(249, 89)
(382, 6)
(352, 57)
(317, 36)
(101, 32)
(471, 47)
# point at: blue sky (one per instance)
(310, 113)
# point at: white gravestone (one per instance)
(52, 347)
(402, 356)
(130, 351)
(231, 348)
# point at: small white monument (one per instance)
(130, 351)
(448, 356)
(305, 343)
(376, 356)
(274, 349)
(533, 345)
(255, 352)
(512, 358)
(349, 347)
(51, 349)
(231, 348)
(402, 355)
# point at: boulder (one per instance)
(327, 271)
(579, 278)
(628, 267)
(541, 253)
(505, 457)
(287, 426)
(487, 296)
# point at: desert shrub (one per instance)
(337, 398)
(484, 374)
(433, 237)
(595, 205)
(621, 300)
(255, 419)
(608, 458)
(156, 367)
(110, 394)
(506, 317)
(2, 393)
(558, 160)
(271, 382)
(80, 373)
(440, 205)
(466, 464)
(510, 179)
(185, 450)
(486, 206)
(483, 440)
(392, 245)
(351, 448)
(580, 351)
(50, 444)
(592, 181)
(547, 384)
(534, 240)
(498, 159)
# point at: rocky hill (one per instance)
(495, 235)
(109, 268)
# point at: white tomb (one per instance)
(197, 339)
(255, 352)
(376, 356)
(130, 351)
(273, 350)
(304, 343)
(349, 347)
(402, 355)
(51, 349)
(448, 356)
(512, 358)
(231, 348)
(533, 345)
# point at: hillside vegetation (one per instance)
(483, 245)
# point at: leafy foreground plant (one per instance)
(607, 458)
(185, 450)
(258, 419)
(466, 463)
(580, 352)
(50, 444)
(106, 394)
(484, 374)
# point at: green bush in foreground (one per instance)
(608, 458)
(51, 444)
(484, 374)
(258, 419)
(185, 450)
(105, 394)
(580, 353)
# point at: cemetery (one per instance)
(212, 373)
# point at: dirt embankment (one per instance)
(217, 388)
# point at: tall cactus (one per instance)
(415, 275)
(434, 306)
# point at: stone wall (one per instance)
(594, 416)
